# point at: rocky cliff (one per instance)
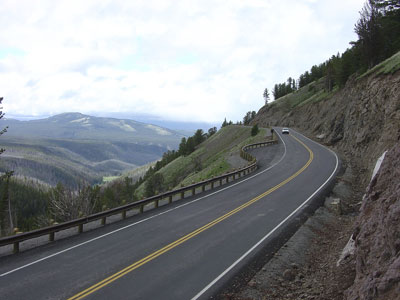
(377, 235)
(360, 122)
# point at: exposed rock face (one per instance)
(378, 235)
(361, 121)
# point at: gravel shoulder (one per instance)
(306, 266)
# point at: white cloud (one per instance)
(187, 60)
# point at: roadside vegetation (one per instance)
(215, 156)
(28, 203)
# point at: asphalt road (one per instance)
(186, 250)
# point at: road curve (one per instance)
(186, 250)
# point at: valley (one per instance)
(72, 148)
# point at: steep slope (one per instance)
(360, 121)
(218, 154)
(377, 235)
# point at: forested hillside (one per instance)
(72, 148)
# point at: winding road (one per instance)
(186, 250)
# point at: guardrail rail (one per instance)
(222, 179)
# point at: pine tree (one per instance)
(266, 96)
(6, 222)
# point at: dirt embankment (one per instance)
(360, 122)
(377, 235)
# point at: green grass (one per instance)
(389, 66)
(211, 158)
(311, 93)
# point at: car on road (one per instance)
(285, 130)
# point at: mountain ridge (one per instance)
(72, 147)
(74, 125)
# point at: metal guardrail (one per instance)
(51, 230)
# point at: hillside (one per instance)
(218, 154)
(83, 127)
(71, 147)
(360, 122)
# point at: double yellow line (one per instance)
(187, 237)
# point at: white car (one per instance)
(285, 130)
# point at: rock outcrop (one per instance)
(361, 122)
(377, 235)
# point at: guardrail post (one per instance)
(156, 203)
(16, 248)
(80, 228)
(251, 166)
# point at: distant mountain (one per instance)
(72, 147)
(80, 126)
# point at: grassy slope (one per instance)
(211, 158)
(389, 66)
(315, 92)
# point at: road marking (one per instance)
(197, 296)
(144, 220)
(189, 236)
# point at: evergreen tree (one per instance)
(266, 96)
(254, 130)
(211, 131)
(154, 185)
(199, 137)
(369, 33)
(224, 123)
(182, 146)
(6, 221)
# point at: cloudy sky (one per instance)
(181, 60)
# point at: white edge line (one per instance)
(269, 233)
(149, 218)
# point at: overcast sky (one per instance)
(190, 61)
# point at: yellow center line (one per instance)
(187, 237)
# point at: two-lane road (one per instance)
(182, 251)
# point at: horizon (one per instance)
(189, 127)
(177, 61)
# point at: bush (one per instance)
(254, 130)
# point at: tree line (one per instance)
(378, 31)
